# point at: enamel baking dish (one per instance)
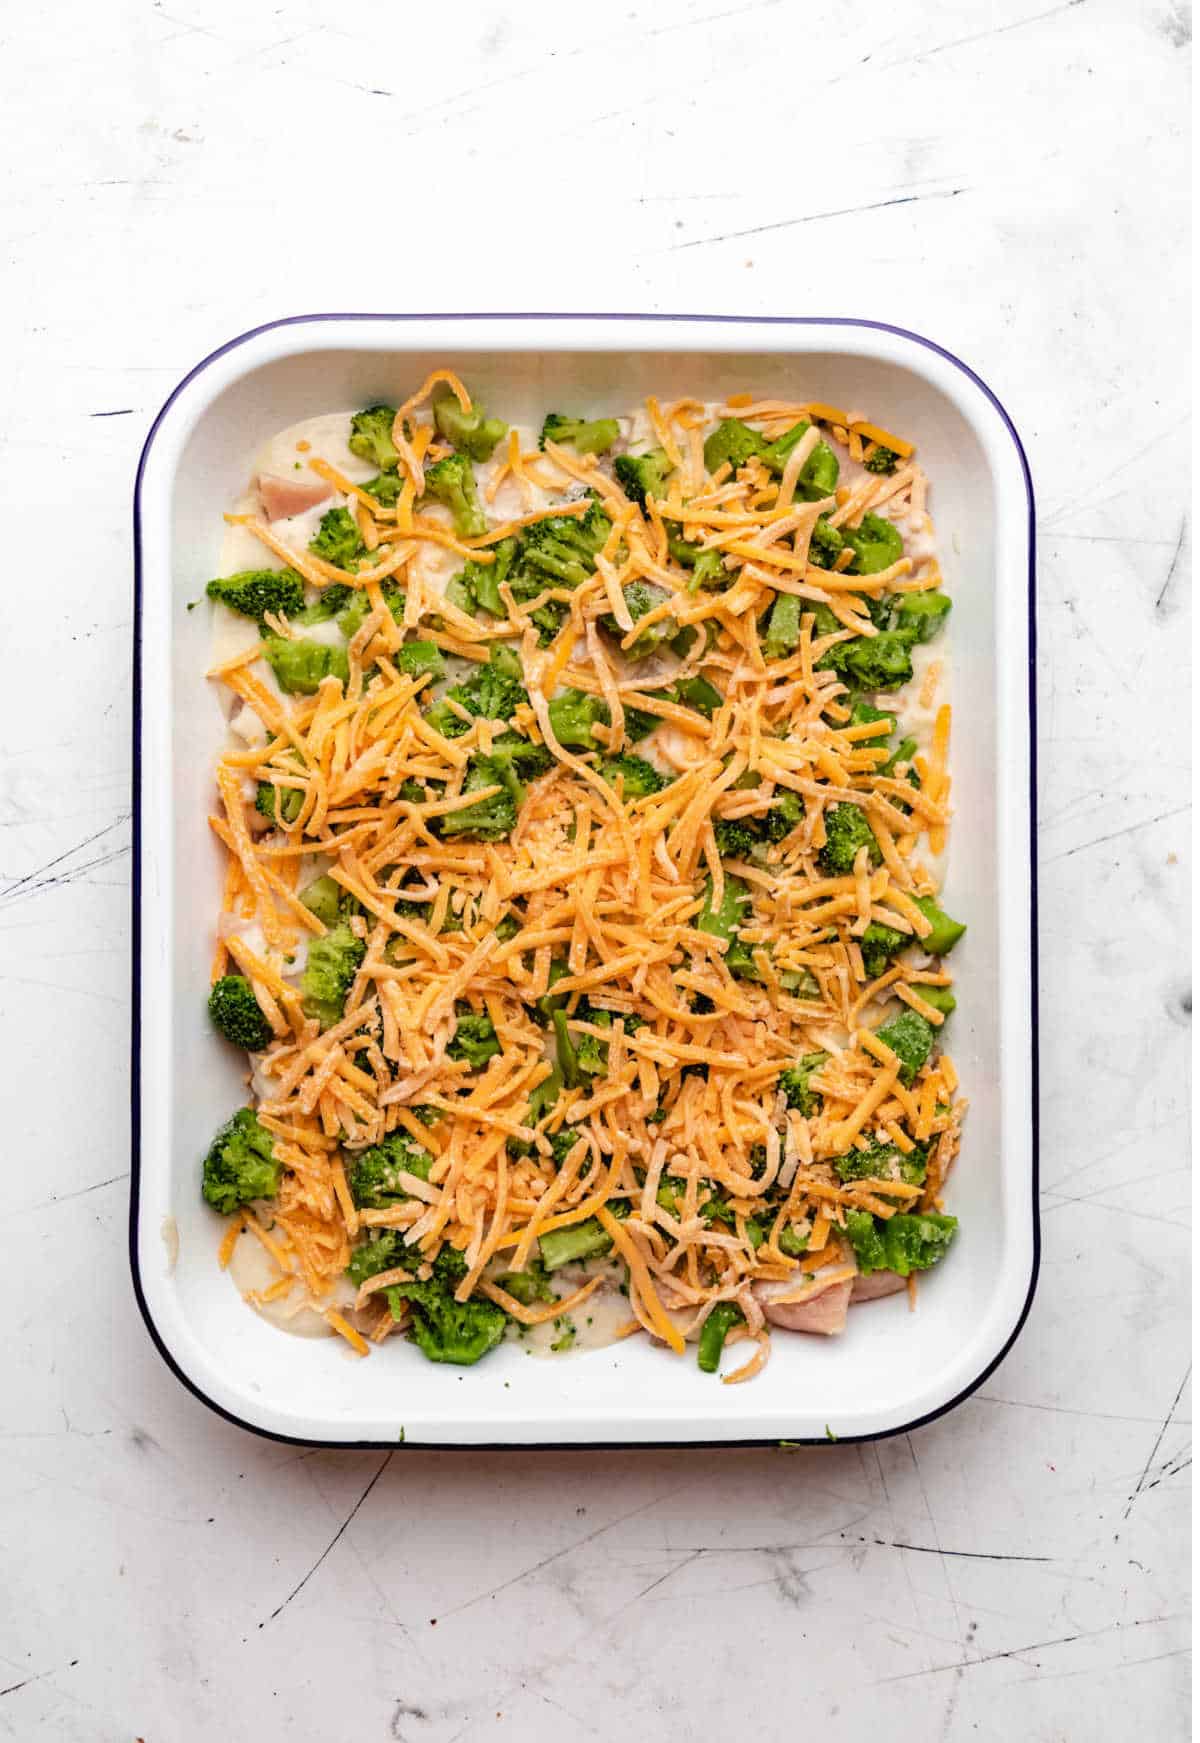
(892, 1369)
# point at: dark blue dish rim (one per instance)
(764, 321)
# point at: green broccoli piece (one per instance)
(374, 1174)
(596, 437)
(641, 597)
(882, 1162)
(946, 932)
(358, 607)
(784, 815)
(716, 1328)
(732, 441)
(561, 551)
(492, 692)
(371, 437)
(794, 1082)
(452, 482)
(910, 1038)
(697, 693)
(846, 830)
(940, 997)
(475, 1038)
(876, 544)
(529, 1285)
(478, 584)
(333, 961)
(903, 1243)
(864, 713)
(642, 475)
(573, 714)
(783, 627)
(241, 1164)
(904, 752)
(472, 433)
(735, 838)
(882, 460)
(328, 900)
(638, 777)
(280, 804)
(254, 592)
(379, 1250)
(339, 541)
(879, 943)
(446, 1330)
(385, 489)
(301, 666)
(511, 761)
(585, 1240)
(819, 474)
(724, 922)
(921, 615)
(332, 599)
(236, 1014)
(419, 658)
(826, 544)
(880, 662)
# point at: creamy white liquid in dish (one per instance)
(598, 1321)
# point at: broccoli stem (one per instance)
(716, 1328)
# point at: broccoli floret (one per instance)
(707, 566)
(446, 1330)
(880, 662)
(358, 606)
(240, 1164)
(882, 1162)
(784, 815)
(946, 932)
(300, 666)
(420, 658)
(735, 838)
(379, 1250)
(561, 550)
(475, 1038)
(902, 1243)
(732, 441)
(339, 541)
(641, 597)
(280, 804)
(794, 1082)
(879, 943)
(371, 437)
(452, 482)
(638, 777)
(573, 714)
(478, 584)
(783, 627)
(585, 1240)
(846, 830)
(385, 489)
(716, 1328)
(529, 1285)
(826, 544)
(374, 1174)
(492, 692)
(724, 922)
(254, 592)
(876, 544)
(596, 437)
(473, 432)
(511, 761)
(333, 961)
(334, 598)
(921, 615)
(910, 1038)
(881, 459)
(236, 1014)
(328, 900)
(642, 475)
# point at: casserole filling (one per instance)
(585, 800)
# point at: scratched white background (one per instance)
(1007, 178)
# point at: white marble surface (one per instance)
(1007, 178)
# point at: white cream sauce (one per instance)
(251, 1268)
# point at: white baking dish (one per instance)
(891, 1369)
